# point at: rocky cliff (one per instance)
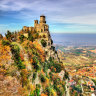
(29, 65)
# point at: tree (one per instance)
(5, 42)
(1, 36)
(16, 53)
(42, 78)
(30, 37)
(44, 43)
(8, 35)
(21, 38)
(51, 41)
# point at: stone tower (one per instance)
(35, 23)
(42, 19)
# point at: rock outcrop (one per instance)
(33, 67)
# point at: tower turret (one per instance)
(42, 19)
(35, 22)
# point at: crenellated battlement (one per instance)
(42, 28)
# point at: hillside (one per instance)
(29, 63)
(79, 59)
(80, 62)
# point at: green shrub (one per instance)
(50, 59)
(42, 78)
(45, 67)
(15, 49)
(38, 89)
(94, 81)
(58, 67)
(59, 92)
(34, 76)
(8, 35)
(57, 81)
(21, 38)
(37, 35)
(55, 65)
(20, 65)
(53, 48)
(48, 91)
(76, 94)
(36, 63)
(38, 85)
(36, 92)
(30, 37)
(5, 42)
(44, 43)
(66, 76)
(26, 47)
(16, 53)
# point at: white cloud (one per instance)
(84, 19)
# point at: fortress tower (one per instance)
(42, 19)
(35, 23)
(42, 28)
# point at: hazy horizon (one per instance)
(75, 40)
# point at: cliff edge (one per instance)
(29, 63)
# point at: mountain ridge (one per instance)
(34, 68)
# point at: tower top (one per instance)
(42, 19)
(42, 15)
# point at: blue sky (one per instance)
(63, 16)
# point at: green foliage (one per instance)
(55, 65)
(38, 89)
(94, 81)
(20, 65)
(21, 38)
(30, 37)
(57, 81)
(48, 91)
(34, 76)
(53, 48)
(76, 94)
(38, 86)
(16, 53)
(36, 92)
(24, 82)
(77, 88)
(63, 85)
(50, 59)
(50, 74)
(5, 42)
(58, 67)
(33, 36)
(59, 92)
(8, 35)
(15, 49)
(45, 66)
(36, 63)
(44, 43)
(36, 35)
(26, 47)
(34, 51)
(66, 75)
(42, 78)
